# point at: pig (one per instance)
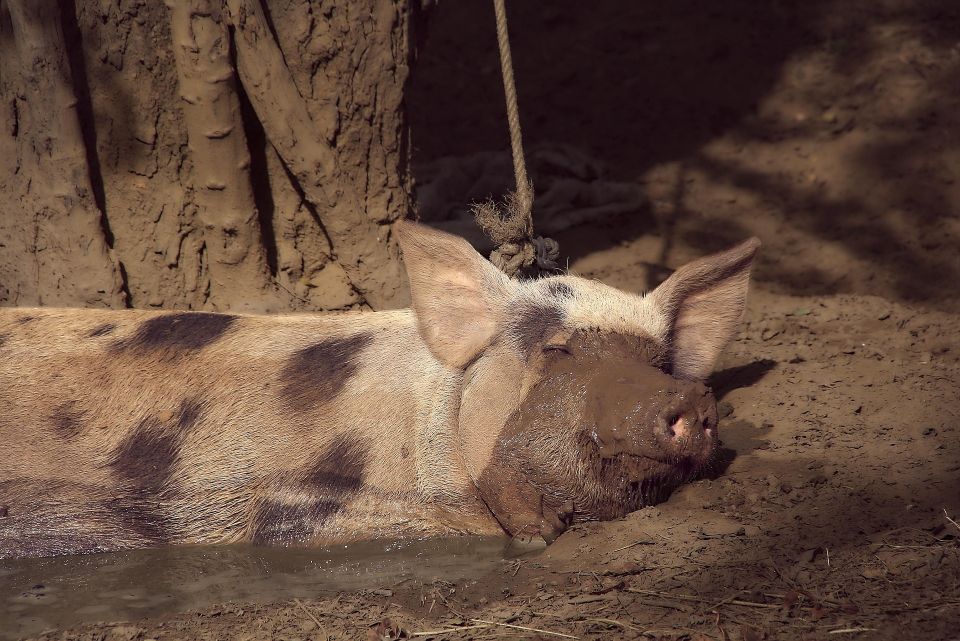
(492, 407)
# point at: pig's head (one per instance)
(579, 401)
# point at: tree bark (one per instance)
(63, 231)
(274, 193)
(365, 252)
(221, 159)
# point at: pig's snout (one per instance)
(654, 415)
(687, 427)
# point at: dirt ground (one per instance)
(830, 130)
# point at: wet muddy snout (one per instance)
(687, 426)
(645, 412)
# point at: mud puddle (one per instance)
(40, 594)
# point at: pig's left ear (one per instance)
(457, 295)
(704, 304)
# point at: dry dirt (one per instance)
(831, 132)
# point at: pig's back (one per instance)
(107, 415)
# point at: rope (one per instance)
(524, 187)
(512, 227)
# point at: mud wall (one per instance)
(202, 154)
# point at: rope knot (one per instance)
(510, 226)
(548, 251)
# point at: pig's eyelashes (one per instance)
(556, 349)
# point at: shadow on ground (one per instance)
(828, 128)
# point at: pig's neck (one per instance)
(420, 416)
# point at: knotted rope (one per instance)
(511, 227)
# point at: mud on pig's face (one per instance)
(604, 431)
(579, 401)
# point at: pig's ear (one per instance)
(457, 295)
(704, 304)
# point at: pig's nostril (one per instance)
(708, 426)
(687, 426)
(672, 422)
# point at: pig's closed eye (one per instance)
(556, 349)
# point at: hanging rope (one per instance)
(524, 187)
(511, 227)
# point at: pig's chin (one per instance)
(633, 481)
(644, 469)
(642, 463)
(684, 467)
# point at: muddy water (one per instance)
(39, 594)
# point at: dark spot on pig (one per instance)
(314, 375)
(185, 331)
(67, 420)
(23, 320)
(145, 460)
(533, 325)
(53, 517)
(276, 522)
(142, 517)
(560, 289)
(339, 468)
(3, 339)
(4, 511)
(189, 413)
(336, 474)
(39, 539)
(146, 457)
(102, 330)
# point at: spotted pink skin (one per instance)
(492, 406)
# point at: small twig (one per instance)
(521, 627)
(308, 613)
(695, 599)
(635, 543)
(590, 598)
(885, 567)
(686, 609)
(617, 623)
(621, 624)
(295, 295)
(657, 567)
(821, 601)
(446, 604)
(732, 597)
(515, 565)
(892, 609)
(957, 525)
(429, 633)
(851, 630)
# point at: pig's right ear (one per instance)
(704, 302)
(457, 295)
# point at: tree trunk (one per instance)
(221, 158)
(362, 250)
(273, 192)
(55, 238)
